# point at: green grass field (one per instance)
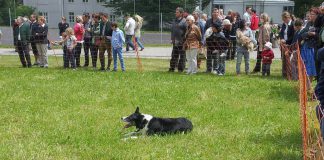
(56, 113)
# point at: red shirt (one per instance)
(267, 56)
(254, 22)
(78, 31)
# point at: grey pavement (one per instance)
(148, 52)
(146, 38)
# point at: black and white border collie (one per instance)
(149, 125)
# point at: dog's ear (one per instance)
(137, 110)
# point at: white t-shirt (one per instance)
(70, 41)
(130, 26)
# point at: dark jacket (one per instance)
(290, 32)
(217, 41)
(62, 27)
(178, 30)
(41, 34)
(33, 27)
(209, 23)
(24, 33)
(108, 30)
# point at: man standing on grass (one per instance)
(21, 36)
(178, 30)
(33, 27)
(105, 41)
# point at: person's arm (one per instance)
(126, 25)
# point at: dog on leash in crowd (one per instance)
(149, 125)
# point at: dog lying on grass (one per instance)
(149, 125)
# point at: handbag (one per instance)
(202, 54)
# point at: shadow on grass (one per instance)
(285, 146)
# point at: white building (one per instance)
(272, 7)
(53, 10)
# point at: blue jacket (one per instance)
(117, 39)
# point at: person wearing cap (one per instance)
(178, 30)
(78, 32)
(263, 38)
(213, 20)
(267, 56)
(229, 33)
(129, 31)
(192, 44)
(218, 44)
(87, 37)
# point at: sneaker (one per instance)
(142, 49)
(102, 69)
(220, 74)
(214, 72)
(223, 55)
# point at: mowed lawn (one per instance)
(58, 113)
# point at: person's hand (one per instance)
(108, 37)
(282, 41)
(88, 29)
(311, 33)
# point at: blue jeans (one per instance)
(129, 42)
(220, 58)
(121, 59)
(239, 56)
(137, 39)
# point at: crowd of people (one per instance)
(195, 38)
(96, 34)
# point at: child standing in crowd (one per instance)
(63, 43)
(267, 56)
(71, 42)
(117, 41)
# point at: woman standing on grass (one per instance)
(192, 44)
(138, 26)
(242, 32)
(78, 31)
(42, 41)
(264, 37)
(309, 42)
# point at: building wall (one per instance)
(55, 9)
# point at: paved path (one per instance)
(148, 52)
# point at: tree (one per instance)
(302, 6)
(17, 9)
(149, 9)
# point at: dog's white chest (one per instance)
(148, 119)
